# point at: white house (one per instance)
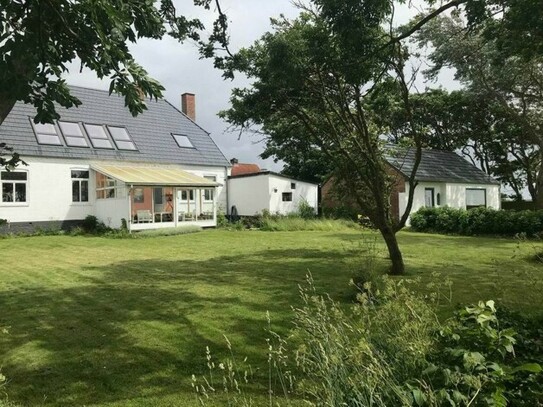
(443, 179)
(251, 192)
(157, 170)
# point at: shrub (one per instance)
(477, 221)
(305, 211)
(92, 225)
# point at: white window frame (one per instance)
(80, 180)
(14, 182)
(209, 193)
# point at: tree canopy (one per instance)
(39, 38)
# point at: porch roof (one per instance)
(153, 175)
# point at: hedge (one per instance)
(477, 221)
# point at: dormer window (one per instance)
(98, 136)
(182, 141)
(46, 134)
(73, 134)
(121, 138)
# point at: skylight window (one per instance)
(73, 134)
(122, 138)
(182, 141)
(98, 136)
(47, 134)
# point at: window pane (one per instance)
(101, 143)
(96, 132)
(287, 196)
(76, 142)
(80, 174)
(48, 139)
(125, 145)
(70, 129)
(7, 192)
(75, 191)
(20, 192)
(45, 128)
(475, 197)
(119, 133)
(182, 141)
(84, 191)
(110, 193)
(14, 175)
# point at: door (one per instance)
(186, 204)
(429, 197)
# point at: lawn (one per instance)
(125, 322)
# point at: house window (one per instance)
(46, 134)
(292, 185)
(287, 197)
(182, 141)
(13, 186)
(98, 136)
(122, 138)
(139, 196)
(184, 195)
(429, 201)
(208, 193)
(105, 187)
(73, 135)
(80, 186)
(475, 198)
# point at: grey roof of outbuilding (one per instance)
(439, 166)
(151, 132)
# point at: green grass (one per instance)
(125, 322)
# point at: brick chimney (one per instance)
(188, 105)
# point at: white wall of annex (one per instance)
(451, 194)
(250, 195)
(457, 195)
(302, 191)
(49, 193)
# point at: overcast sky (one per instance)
(179, 69)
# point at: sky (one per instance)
(178, 68)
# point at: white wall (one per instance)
(303, 191)
(253, 194)
(49, 193)
(451, 195)
(250, 195)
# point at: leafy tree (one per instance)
(38, 38)
(506, 99)
(475, 125)
(312, 80)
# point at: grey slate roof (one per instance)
(440, 166)
(151, 132)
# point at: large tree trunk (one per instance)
(394, 252)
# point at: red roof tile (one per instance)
(240, 169)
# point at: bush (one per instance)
(92, 225)
(305, 211)
(390, 349)
(478, 221)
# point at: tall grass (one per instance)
(181, 230)
(290, 224)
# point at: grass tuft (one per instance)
(292, 224)
(182, 230)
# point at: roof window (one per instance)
(46, 134)
(98, 136)
(182, 141)
(73, 134)
(122, 138)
